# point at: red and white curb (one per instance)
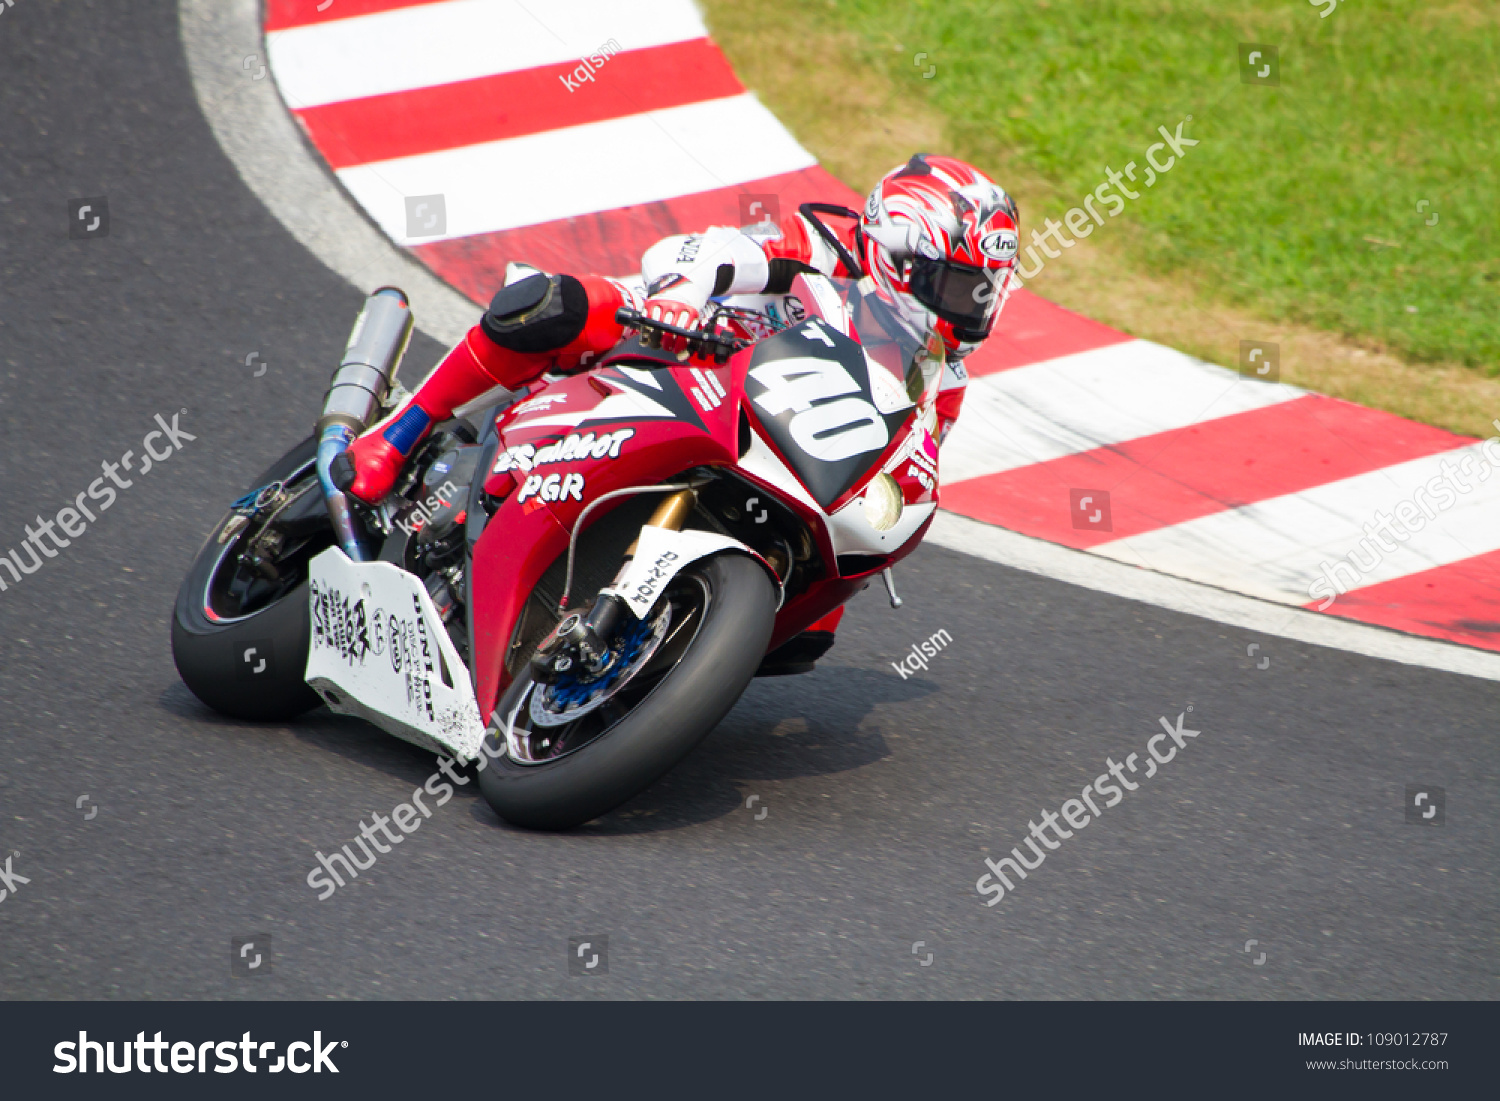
(573, 135)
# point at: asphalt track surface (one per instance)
(1282, 822)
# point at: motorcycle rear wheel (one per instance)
(240, 644)
(723, 609)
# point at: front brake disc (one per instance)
(571, 698)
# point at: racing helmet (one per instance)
(939, 239)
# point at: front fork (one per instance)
(587, 639)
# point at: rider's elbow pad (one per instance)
(540, 313)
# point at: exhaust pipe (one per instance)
(355, 394)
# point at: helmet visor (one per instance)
(966, 297)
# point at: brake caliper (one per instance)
(572, 649)
(574, 680)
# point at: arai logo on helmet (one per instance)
(927, 249)
(1002, 244)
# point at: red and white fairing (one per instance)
(826, 417)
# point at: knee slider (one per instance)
(540, 313)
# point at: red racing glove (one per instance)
(676, 300)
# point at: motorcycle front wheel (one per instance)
(555, 758)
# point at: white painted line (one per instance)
(1274, 549)
(1175, 594)
(264, 145)
(1091, 399)
(579, 170)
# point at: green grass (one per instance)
(1383, 104)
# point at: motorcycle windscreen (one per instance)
(813, 392)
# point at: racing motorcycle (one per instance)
(573, 584)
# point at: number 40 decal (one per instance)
(833, 431)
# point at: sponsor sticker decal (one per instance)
(541, 401)
(553, 487)
(1000, 245)
(570, 448)
(354, 631)
(646, 590)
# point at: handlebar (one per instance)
(718, 344)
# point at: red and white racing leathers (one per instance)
(538, 323)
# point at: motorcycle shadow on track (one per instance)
(321, 729)
(783, 728)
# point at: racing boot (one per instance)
(535, 323)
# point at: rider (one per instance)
(937, 236)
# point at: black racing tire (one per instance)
(218, 660)
(675, 715)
